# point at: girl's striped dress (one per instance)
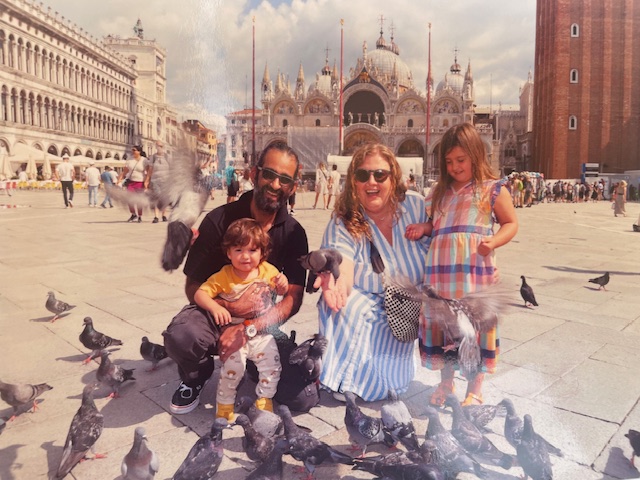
(363, 356)
(454, 266)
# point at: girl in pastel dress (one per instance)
(463, 208)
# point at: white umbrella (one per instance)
(32, 169)
(6, 172)
(46, 168)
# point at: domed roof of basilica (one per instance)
(453, 80)
(384, 63)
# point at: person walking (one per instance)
(157, 179)
(620, 199)
(322, 181)
(92, 177)
(109, 179)
(66, 174)
(334, 185)
(135, 175)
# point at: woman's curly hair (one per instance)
(348, 207)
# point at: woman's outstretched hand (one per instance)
(334, 291)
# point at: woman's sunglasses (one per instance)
(270, 175)
(361, 175)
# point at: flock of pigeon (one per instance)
(442, 454)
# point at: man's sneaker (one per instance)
(132, 218)
(70, 203)
(292, 212)
(103, 205)
(155, 220)
(185, 399)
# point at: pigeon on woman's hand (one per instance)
(322, 260)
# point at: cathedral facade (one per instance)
(381, 103)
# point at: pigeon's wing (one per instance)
(202, 461)
(319, 346)
(483, 307)
(300, 353)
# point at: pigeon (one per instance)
(363, 429)
(22, 394)
(57, 307)
(413, 471)
(450, 456)
(527, 293)
(308, 355)
(308, 449)
(152, 352)
(634, 440)
(205, 457)
(112, 375)
(472, 439)
(322, 260)
(94, 340)
(533, 456)
(481, 415)
(513, 429)
(264, 422)
(183, 190)
(85, 429)
(397, 421)
(272, 467)
(602, 281)
(3, 425)
(461, 320)
(374, 464)
(140, 463)
(257, 446)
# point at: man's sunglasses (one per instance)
(361, 175)
(270, 175)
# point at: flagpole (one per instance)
(341, 139)
(253, 97)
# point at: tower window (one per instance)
(285, 122)
(573, 76)
(575, 30)
(317, 122)
(573, 122)
(410, 123)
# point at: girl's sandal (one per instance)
(472, 399)
(440, 395)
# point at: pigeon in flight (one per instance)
(306, 448)
(363, 429)
(152, 352)
(181, 188)
(264, 422)
(533, 456)
(85, 429)
(57, 307)
(472, 439)
(308, 355)
(112, 375)
(22, 394)
(527, 293)
(397, 421)
(140, 463)
(602, 281)
(205, 457)
(634, 440)
(513, 427)
(322, 261)
(462, 320)
(94, 340)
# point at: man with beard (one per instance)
(193, 337)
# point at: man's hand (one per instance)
(252, 303)
(231, 340)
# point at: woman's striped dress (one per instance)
(363, 356)
(454, 266)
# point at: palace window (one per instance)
(573, 75)
(573, 122)
(575, 30)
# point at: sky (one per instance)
(209, 42)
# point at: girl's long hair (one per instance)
(466, 137)
(348, 207)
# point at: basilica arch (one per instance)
(362, 107)
(410, 147)
(354, 139)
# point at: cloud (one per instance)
(209, 43)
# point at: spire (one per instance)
(381, 43)
(394, 47)
(455, 68)
(279, 86)
(467, 76)
(334, 72)
(300, 74)
(265, 76)
(326, 70)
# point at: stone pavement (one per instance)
(569, 363)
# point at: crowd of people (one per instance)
(243, 277)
